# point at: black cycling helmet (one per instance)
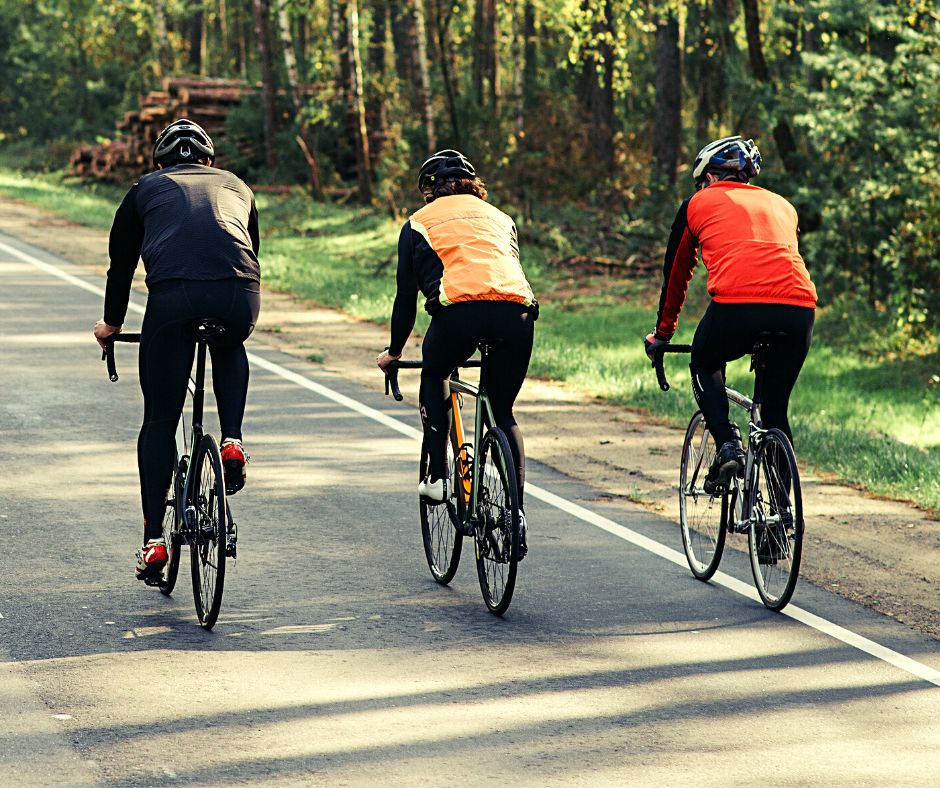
(182, 142)
(729, 153)
(442, 165)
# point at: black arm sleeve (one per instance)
(405, 308)
(127, 238)
(678, 265)
(253, 232)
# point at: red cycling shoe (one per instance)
(234, 459)
(151, 558)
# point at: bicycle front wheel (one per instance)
(702, 517)
(497, 531)
(442, 541)
(172, 521)
(207, 537)
(775, 507)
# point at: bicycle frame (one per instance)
(483, 415)
(198, 392)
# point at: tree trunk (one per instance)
(164, 57)
(518, 66)
(450, 91)
(424, 76)
(197, 40)
(403, 41)
(597, 92)
(479, 48)
(305, 140)
(241, 53)
(531, 50)
(783, 134)
(491, 62)
(260, 11)
(356, 105)
(708, 28)
(338, 34)
(375, 106)
(668, 83)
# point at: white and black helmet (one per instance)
(443, 165)
(181, 142)
(729, 153)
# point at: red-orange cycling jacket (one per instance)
(748, 238)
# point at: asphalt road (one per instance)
(337, 660)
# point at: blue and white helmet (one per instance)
(728, 153)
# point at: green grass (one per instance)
(872, 419)
(93, 207)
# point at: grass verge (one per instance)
(869, 419)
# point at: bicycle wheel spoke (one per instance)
(497, 538)
(208, 537)
(442, 541)
(702, 516)
(776, 521)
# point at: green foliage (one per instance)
(874, 129)
(66, 66)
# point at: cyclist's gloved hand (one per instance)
(652, 343)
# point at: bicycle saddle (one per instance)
(207, 329)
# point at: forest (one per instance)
(582, 115)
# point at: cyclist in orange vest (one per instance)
(463, 255)
(758, 283)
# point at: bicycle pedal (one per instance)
(231, 541)
(465, 528)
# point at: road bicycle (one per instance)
(197, 511)
(765, 502)
(482, 493)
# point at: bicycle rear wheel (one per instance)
(172, 522)
(442, 541)
(207, 538)
(775, 506)
(497, 531)
(702, 517)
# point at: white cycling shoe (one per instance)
(435, 492)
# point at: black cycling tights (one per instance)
(167, 349)
(727, 332)
(452, 337)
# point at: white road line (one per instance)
(818, 623)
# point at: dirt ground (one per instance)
(884, 554)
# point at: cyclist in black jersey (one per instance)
(196, 228)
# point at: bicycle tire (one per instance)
(172, 524)
(775, 512)
(702, 517)
(440, 534)
(497, 529)
(208, 532)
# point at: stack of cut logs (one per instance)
(205, 101)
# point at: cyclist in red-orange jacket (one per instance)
(758, 282)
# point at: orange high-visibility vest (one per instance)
(478, 248)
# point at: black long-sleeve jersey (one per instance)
(186, 222)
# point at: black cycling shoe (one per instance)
(728, 463)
